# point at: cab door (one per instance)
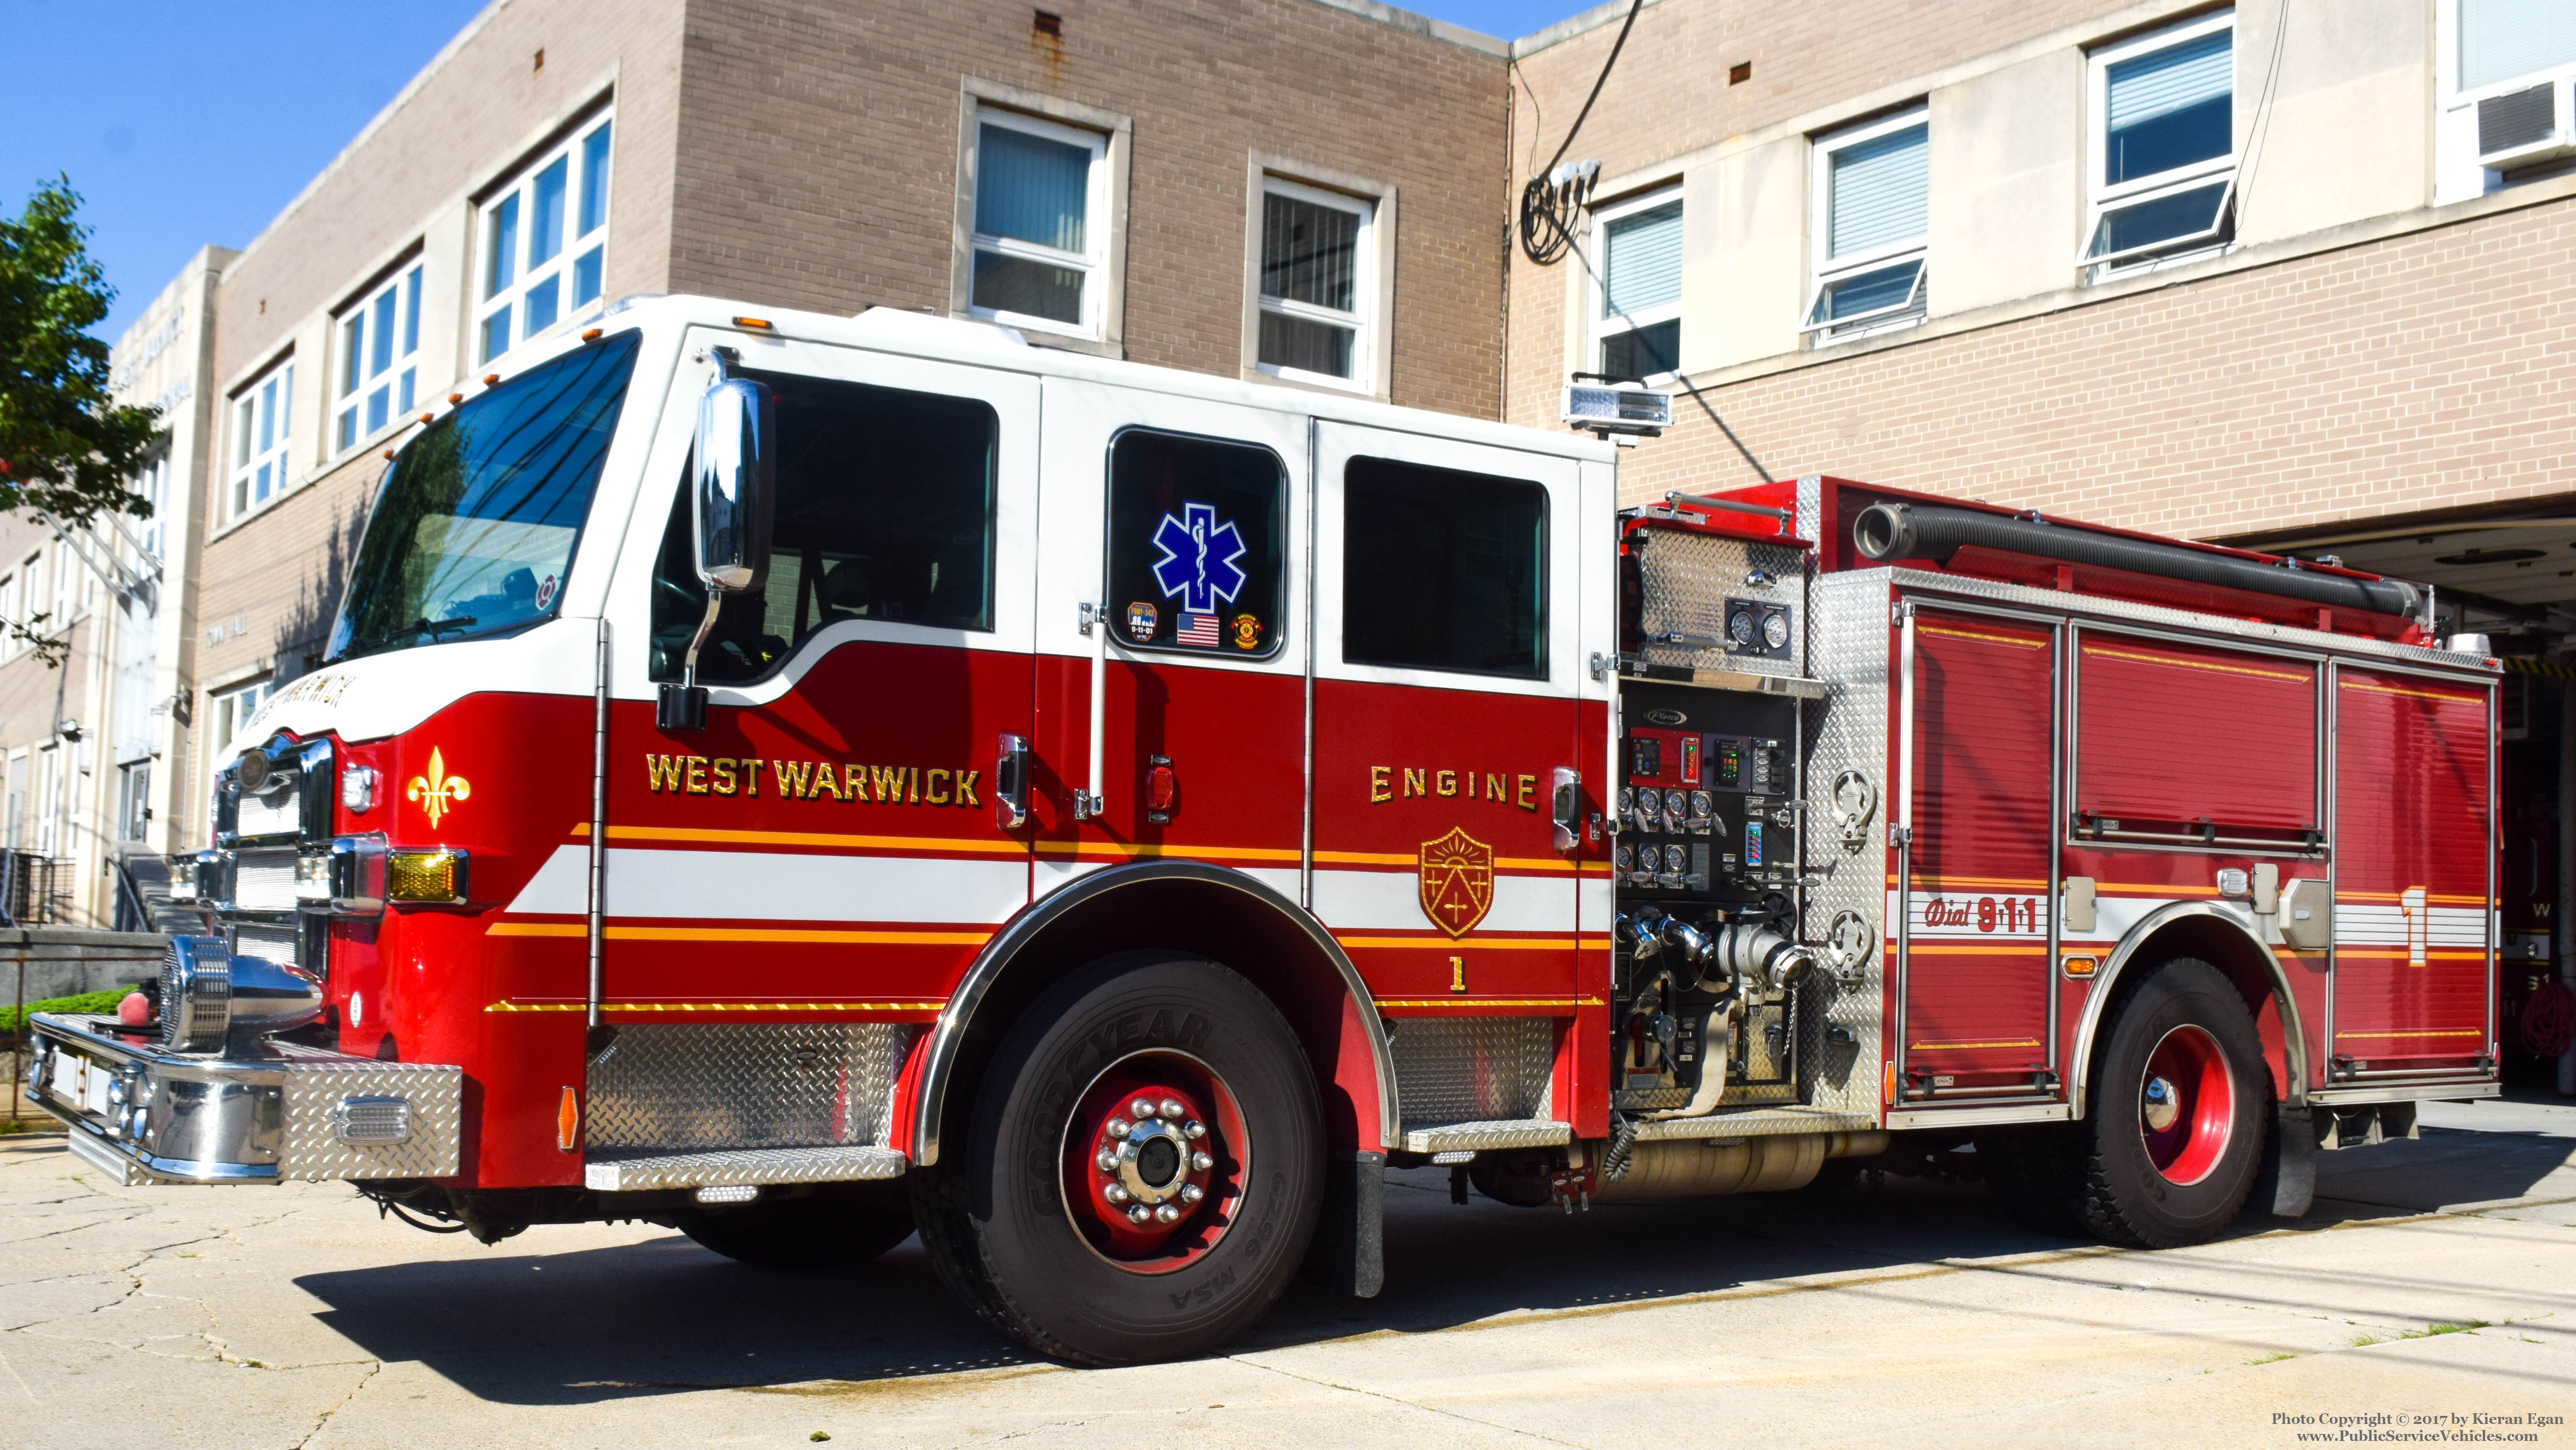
(839, 811)
(1448, 594)
(1976, 885)
(1173, 569)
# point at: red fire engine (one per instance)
(804, 779)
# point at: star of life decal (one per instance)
(1199, 558)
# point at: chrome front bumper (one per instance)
(289, 1112)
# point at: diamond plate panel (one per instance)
(1507, 1133)
(1687, 579)
(1473, 1069)
(1849, 641)
(1756, 1123)
(746, 1085)
(316, 1081)
(633, 1173)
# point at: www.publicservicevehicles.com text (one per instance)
(2477, 1427)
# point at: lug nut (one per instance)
(1193, 1130)
(1172, 1108)
(1139, 1214)
(1142, 1107)
(1118, 1128)
(1115, 1193)
(1202, 1162)
(1192, 1193)
(1167, 1214)
(1107, 1161)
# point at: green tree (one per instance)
(64, 448)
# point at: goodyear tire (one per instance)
(2174, 1133)
(823, 1230)
(1143, 1170)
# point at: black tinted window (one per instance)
(1195, 543)
(1443, 570)
(884, 511)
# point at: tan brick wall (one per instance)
(2433, 369)
(818, 158)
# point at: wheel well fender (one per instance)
(2213, 934)
(1184, 906)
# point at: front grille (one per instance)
(277, 813)
(264, 880)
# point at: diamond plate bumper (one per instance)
(256, 1119)
(635, 1172)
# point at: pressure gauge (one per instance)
(1703, 806)
(1775, 630)
(1623, 858)
(1739, 626)
(1627, 801)
(1650, 804)
(1676, 860)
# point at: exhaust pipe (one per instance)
(1886, 532)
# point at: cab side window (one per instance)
(1443, 570)
(884, 511)
(1196, 531)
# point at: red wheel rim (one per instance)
(2186, 1105)
(1182, 1162)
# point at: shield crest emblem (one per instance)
(1457, 881)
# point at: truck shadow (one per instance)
(664, 1315)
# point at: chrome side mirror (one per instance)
(733, 482)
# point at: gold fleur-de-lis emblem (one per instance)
(438, 792)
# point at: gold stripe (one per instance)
(1383, 858)
(2117, 888)
(2399, 897)
(1964, 1046)
(1489, 1001)
(506, 1005)
(1977, 949)
(2121, 654)
(2012, 640)
(1131, 851)
(2408, 954)
(2013, 882)
(745, 934)
(811, 838)
(2428, 1032)
(1482, 944)
(2419, 694)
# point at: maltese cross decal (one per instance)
(1199, 555)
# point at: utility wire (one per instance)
(1550, 202)
(1678, 375)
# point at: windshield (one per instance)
(474, 529)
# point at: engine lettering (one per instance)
(1425, 782)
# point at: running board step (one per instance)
(1498, 1133)
(632, 1172)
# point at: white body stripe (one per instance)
(779, 886)
(1392, 901)
(2375, 925)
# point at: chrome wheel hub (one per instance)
(2162, 1105)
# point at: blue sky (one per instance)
(183, 122)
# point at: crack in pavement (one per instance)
(1401, 1400)
(374, 1367)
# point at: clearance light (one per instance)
(432, 875)
(727, 1193)
(568, 1121)
(760, 322)
(590, 334)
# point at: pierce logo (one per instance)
(437, 791)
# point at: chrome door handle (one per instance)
(1566, 806)
(1011, 783)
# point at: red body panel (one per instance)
(2414, 835)
(2134, 765)
(1976, 981)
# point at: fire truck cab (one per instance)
(804, 780)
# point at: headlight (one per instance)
(432, 875)
(183, 877)
(313, 879)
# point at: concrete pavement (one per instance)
(1905, 1311)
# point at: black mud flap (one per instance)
(1349, 1251)
(2286, 1181)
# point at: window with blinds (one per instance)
(1873, 191)
(1638, 323)
(2163, 141)
(1317, 290)
(2511, 40)
(1037, 244)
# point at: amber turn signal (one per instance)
(433, 875)
(568, 1121)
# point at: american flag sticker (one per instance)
(1197, 630)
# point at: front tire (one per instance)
(1144, 1167)
(2174, 1134)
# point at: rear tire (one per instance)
(2174, 1134)
(1018, 1217)
(824, 1230)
